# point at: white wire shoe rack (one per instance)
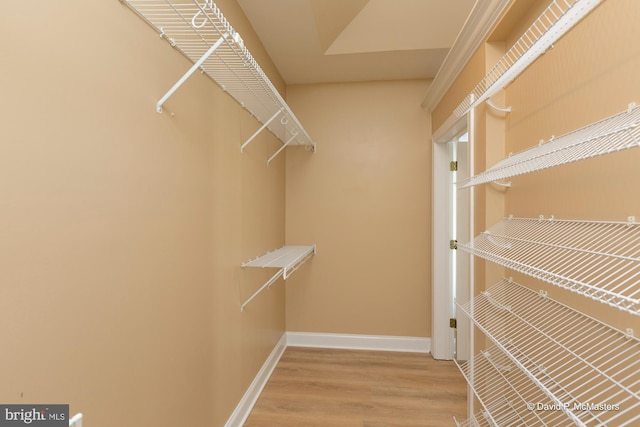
(286, 259)
(508, 394)
(550, 365)
(202, 34)
(611, 135)
(596, 259)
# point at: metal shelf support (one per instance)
(192, 70)
(495, 107)
(263, 127)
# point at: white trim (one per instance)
(440, 273)
(450, 128)
(441, 343)
(242, 411)
(359, 342)
(471, 128)
(483, 17)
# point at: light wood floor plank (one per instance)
(350, 388)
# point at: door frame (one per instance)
(441, 334)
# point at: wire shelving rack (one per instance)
(202, 34)
(507, 395)
(596, 259)
(558, 18)
(589, 371)
(611, 135)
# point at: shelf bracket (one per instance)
(293, 136)
(266, 285)
(495, 303)
(506, 184)
(263, 127)
(192, 70)
(504, 110)
(487, 355)
(493, 241)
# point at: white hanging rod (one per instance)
(551, 25)
(613, 134)
(201, 33)
(505, 392)
(287, 259)
(573, 358)
(597, 259)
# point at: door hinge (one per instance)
(453, 244)
(453, 166)
(453, 323)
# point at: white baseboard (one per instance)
(359, 342)
(242, 411)
(310, 339)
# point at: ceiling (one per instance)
(317, 41)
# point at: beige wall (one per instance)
(122, 230)
(363, 197)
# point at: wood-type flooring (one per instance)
(313, 387)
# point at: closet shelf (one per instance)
(597, 259)
(590, 370)
(616, 133)
(558, 18)
(286, 259)
(505, 393)
(202, 34)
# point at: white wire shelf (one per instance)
(557, 19)
(616, 133)
(201, 33)
(506, 393)
(287, 259)
(589, 370)
(596, 259)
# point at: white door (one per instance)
(459, 229)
